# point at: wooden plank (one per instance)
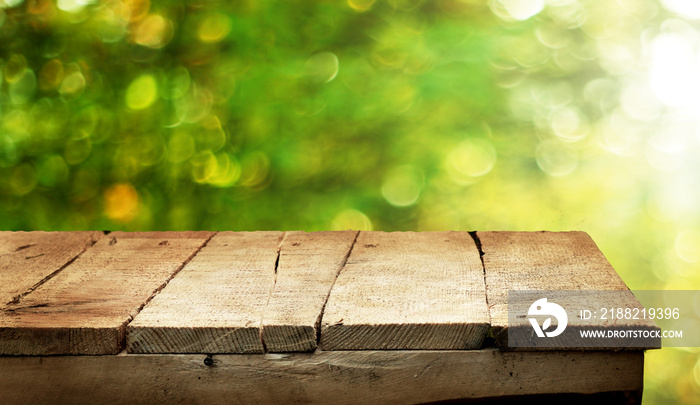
(84, 308)
(550, 261)
(406, 290)
(377, 377)
(308, 266)
(216, 303)
(28, 259)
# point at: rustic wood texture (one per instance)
(84, 309)
(216, 303)
(28, 259)
(550, 261)
(406, 290)
(247, 292)
(377, 377)
(308, 266)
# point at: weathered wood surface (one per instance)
(216, 303)
(406, 290)
(28, 259)
(308, 266)
(566, 261)
(272, 291)
(344, 377)
(84, 308)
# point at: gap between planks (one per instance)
(165, 284)
(61, 316)
(550, 262)
(309, 262)
(16, 299)
(214, 304)
(284, 323)
(179, 267)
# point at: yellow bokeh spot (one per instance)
(351, 219)
(203, 166)
(51, 75)
(402, 186)
(213, 135)
(121, 202)
(154, 31)
(255, 167)
(74, 83)
(16, 125)
(361, 5)
(220, 170)
(471, 159)
(142, 92)
(214, 28)
(227, 172)
(134, 10)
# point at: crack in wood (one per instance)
(340, 269)
(272, 289)
(477, 242)
(13, 310)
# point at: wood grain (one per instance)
(28, 259)
(377, 377)
(552, 261)
(84, 308)
(308, 266)
(215, 304)
(407, 290)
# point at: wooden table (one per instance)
(271, 317)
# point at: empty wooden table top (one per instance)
(394, 317)
(256, 292)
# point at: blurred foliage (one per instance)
(364, 114)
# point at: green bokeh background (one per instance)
(361, 114)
